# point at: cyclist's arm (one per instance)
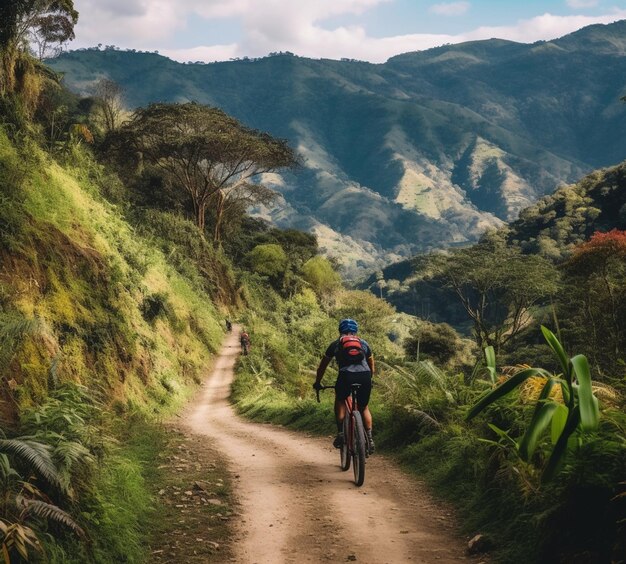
(322, 368)
(371, 364)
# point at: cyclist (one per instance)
(244, 340)
(356, 366)
(229, 325)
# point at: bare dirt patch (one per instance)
(193, 496)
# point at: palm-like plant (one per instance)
(578, 412)
(22, 501)
(423, 381)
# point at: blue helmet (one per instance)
(348, 326)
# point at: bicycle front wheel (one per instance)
(358, 454)
(345, 448)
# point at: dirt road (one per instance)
(297, 505)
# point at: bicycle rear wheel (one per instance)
(345, 448)
(358, 454)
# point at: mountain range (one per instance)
(422, 152)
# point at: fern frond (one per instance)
(49, 512)
(428, 371)
(68, 454)
(13, 328)
(37, 455)
(424, 374)
(424, 419)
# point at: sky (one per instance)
(369, 30)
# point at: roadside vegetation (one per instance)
(520, 423)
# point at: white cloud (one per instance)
(286, 25)
(546, 26)
(141, 24)
(450, 8)
(581, 4)
(206, 54)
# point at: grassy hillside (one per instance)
(424, 151)
(98, 332)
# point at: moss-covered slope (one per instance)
(109, 311)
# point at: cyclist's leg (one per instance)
(367, 423)
(342, 391)
(367, 417)
(340, 412)
(363, 397)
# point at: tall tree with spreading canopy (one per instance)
(46, 23)
(498, 286)
(207, 154)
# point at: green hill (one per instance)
(422, 152)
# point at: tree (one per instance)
(206, 153)
(594, 311)
(497, 286)
(108, 96)
(52, 27)
(319, 273)
(438, 342)
(45, 22)
(236, 198)
(268, 260)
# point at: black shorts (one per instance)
(346, 379)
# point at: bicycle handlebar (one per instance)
(317, 391)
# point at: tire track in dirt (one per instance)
(297, 506)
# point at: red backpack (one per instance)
(351, 349)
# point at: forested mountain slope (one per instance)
(424, 151)
(578, 235)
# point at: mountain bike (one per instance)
(354, 448)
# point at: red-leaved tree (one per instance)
(597, 288)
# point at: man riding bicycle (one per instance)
(356, 366)
(244, 341)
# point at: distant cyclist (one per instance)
(244, 340)
(356, 365)
(229, 325)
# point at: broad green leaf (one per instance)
(556, 346)
(504, 388)
(539, 422)
(538, 425)
(566, 392)
(559, 418)
(561, 446)
(589, 413)
(490, 359)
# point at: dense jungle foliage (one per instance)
(115, 278)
